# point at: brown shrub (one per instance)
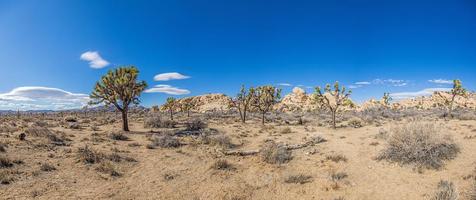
(275, 154)
(445, 191)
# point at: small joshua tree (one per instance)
(457, 90)
(332, 99)
(186, 105)
(120, 88)
(386, 99)
(170, 106)
(264, 99)
(242, 102)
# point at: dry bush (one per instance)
(275, 154)
(37, 131)
(155, 121)
(74, 125)
(47, 167)
(5, 162)
(337, 176)
(5, 128)
(355, 122)
(221, 140)
(336, 158)
(70, 119)
(195, 125)
(5, 177)
(41, 124)
(164, 141)
(298, 179)
(286, 130)
(3, 147)
(222, 165)
(118, 136)
(445, 191)
(108, 168)
(89, 156)
(420, 144)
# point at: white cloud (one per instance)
(362, 83)
(285, 84)
(424, 92)
(441, 81)
(170, 76)
(94, 59)
(167, 89)
(392, 82)
(41, 98)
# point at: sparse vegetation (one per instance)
(275, 154)
(420, 144)
(164, 141)
(448, 101)
(222, 165)
(298, 179)
(118, 136)
(332, 99)
(264, 98)
(446, 191)
(243, 102)
(170, 105)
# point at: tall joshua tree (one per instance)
(120, 88)
(186, 105)
(332, 99)
(457, 90)
(386, 98)
(170, 106)
(264, 99)
(242, 102)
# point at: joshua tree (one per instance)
(264, 98)
(170, 105)
(120, 88)
(457, 90)
(332, 99)
(186, 105)
(386, 98)
(243, 101)
(155, 108)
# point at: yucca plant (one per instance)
(332, 99)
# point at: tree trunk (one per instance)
(125, 124)
(172, 115)
(333, 119)
(188, 113)
(450, 109)
(262, 118)
(244, 117)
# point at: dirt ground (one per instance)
(187, 172)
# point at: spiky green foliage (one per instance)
(457, 90)
(120, 88)
(264, 99)
(170, 105)
(332, 99)
(386, 99)
(242, 102)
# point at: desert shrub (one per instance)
(318, 139)
(275, 154)
(118, 136)
(74, 125)
(196, 125)
(7, 129)
(465, 116)
(155, 121)
(70, 119)
(336, 158)
(420, 144)
(41, 124)
(222, 165)
(221, 140)
(298, 179)
(445, 191)
(108, 168)
(5, 162)
(3, 148)
(337, 176)
(355, 122)
(286, 130)
(5, 177)
(56, 140)
(89, 156)
(165, 141)
(37, 131)
(47, 167)
(22, 136)
(95, 128)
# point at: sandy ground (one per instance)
(185, 172)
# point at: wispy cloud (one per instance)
(35, 98)
(424, 92)
(95, 60)
(392, 82)
(441, 81)
(285, 84)
(170, 76)
(167, 89)
(362, 83)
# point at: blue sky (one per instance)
(394, 46)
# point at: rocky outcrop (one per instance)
(205, 103)
(296, 101)
(437, 99)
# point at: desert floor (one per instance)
(187, 172)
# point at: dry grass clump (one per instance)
(286, 130)
(155, 121)
(355, 122)
(70, 119)
(445, 191)
(3, 147)
(337, 176)
(108, 168)
(90, 156)
(5, 177)
(118, 136)
(47, 167)
(420, 144)
(336, 158)
(5, 162)
(222, 165)
(298, 179)
(275, 154)
(220, 140)
(164, 141)
(195, 125)
(37, 131)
